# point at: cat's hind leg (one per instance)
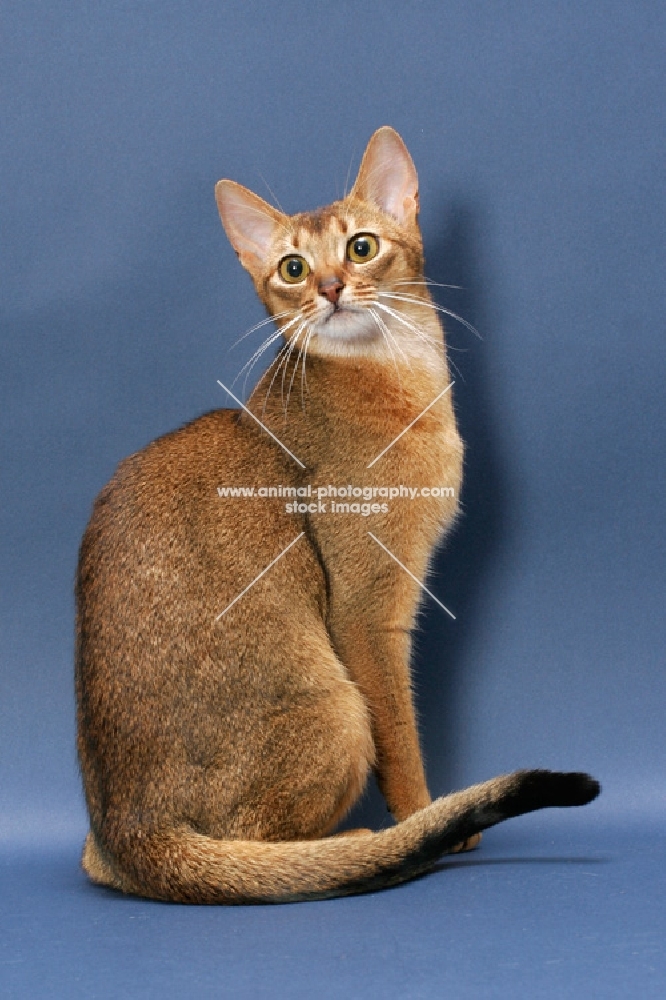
(96, 866)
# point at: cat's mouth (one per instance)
(344, 321)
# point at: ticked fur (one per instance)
(223, 738)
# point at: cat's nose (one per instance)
(331, 288)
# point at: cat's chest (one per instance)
(380, 479)
(398, 481)
(423, 458)
(370, 422)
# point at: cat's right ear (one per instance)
(387, 176)
(249, 222)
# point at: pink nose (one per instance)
(331, 289)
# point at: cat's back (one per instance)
(172, 489)
(167, 678)
(183, 463)
(162, 532)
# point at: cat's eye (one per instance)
(294, 269)
(362, 247)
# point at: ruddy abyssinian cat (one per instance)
(242, 665)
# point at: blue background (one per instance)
(538, 133)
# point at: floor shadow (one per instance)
(462, 564)
(451, 863)
(488, 862)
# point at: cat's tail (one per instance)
(184, 866)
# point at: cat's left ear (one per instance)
(387, 176)
(249, 222)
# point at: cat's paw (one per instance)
(467, 845)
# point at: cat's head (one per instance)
(326, 275)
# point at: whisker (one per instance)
(294, 341)
(281, 357)
(453, 365)
(271, 192)
(395, 339)
(257, 354)
(249, 364)
(304, 378)
(258, 326)
(275, 335)
(417, 331)
(389, 337)
(415, 300)
(427, 281)
(383, 329)
(291, 381)
(293, 374)
(351, 160)
(278, 359)
(247, 374)
(422, 335)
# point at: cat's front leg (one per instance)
(378, 661)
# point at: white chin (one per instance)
(348, 325)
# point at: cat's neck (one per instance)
(348, 407)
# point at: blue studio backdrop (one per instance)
(538, 133)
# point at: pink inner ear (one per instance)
(249, 221)
(397, 192)
(387, 176)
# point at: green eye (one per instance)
(362, 247)
(294, 269)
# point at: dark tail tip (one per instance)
(543, 789)
(580, 788)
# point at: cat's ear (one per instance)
(387, 176)
(249, 222)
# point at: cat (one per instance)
(242, 665)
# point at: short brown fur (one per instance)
(219, 753)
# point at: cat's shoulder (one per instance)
(180, 448)
(182, 461)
